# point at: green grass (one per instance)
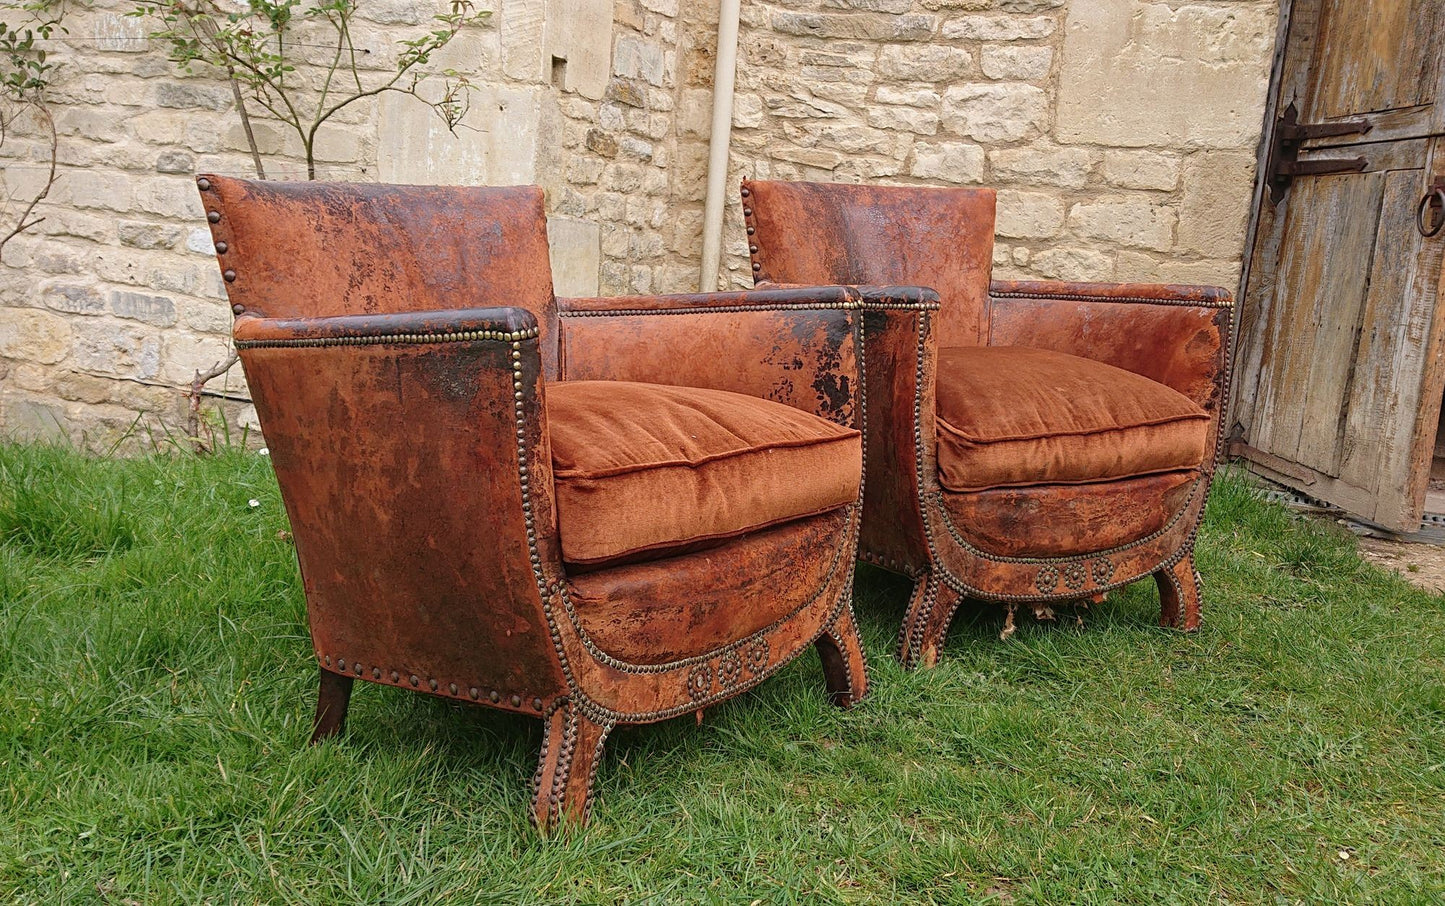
(156, 686)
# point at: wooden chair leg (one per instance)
(1180, 595)
(332, 699)
(562, 788)
(844, 666)
(929, 612)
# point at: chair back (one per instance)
(826, 233)
(365, 248)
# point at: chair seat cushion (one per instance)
(1011, 416)
(642, 470)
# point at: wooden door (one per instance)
(1339, 377)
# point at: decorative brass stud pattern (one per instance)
(1047, 579)
(757, 655)
(699, 681)
(1075, 576)
(1102, 570)
(729, 669)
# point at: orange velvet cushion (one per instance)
(1011, 415)
(647, 467)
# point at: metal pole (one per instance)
(724, 78)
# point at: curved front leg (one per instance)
(571, 745)
(1180, 595)
(844, 665)
(930, 611)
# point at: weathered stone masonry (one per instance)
(1121, 135)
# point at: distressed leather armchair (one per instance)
(1029, 442)
(595, 512)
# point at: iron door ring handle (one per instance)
(1437, 195)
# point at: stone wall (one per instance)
(1120, 133)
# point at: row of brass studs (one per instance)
(858, 305)
(1084, 297)
(434, 685)
(459, 336)
(222, 247)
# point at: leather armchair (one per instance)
(1029, 442)
(494, 497)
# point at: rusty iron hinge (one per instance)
(1290, 134)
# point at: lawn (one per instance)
(156, 684)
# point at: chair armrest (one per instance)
(413, 459)
(1176, 335)
(1146, 293)
(794, 346)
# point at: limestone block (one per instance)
(1140, 73)
(175, 162)
(1218, 188)
(958, 4)
(83, 388)
(1029, 215)
(875, 6)
(1141, 267)
(107, 348)
(747, 111)
(994, 112)
(636, 58)
(578, 45)
(168, 196)
(916, 97)
(395, 12)
(1026, 63)
(1029, 6)
(499, 147)
(816, 158)
(1074, 264)
(157, 310)
(146, 235)
(199, 240)
(33, 335)
(188, 353)
(71, 297)
(998, 28)
(1141, 170)
(1067, 167)
(524, 27)
(854, 26)
(953, 162)
(187, 95)
(924, 63)
(115, 32)
(1127, 220)
(210, 316)
(26, 418)
(903, 119)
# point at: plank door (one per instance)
(1339, 375)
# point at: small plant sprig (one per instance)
(24, 75)
(256, 46)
